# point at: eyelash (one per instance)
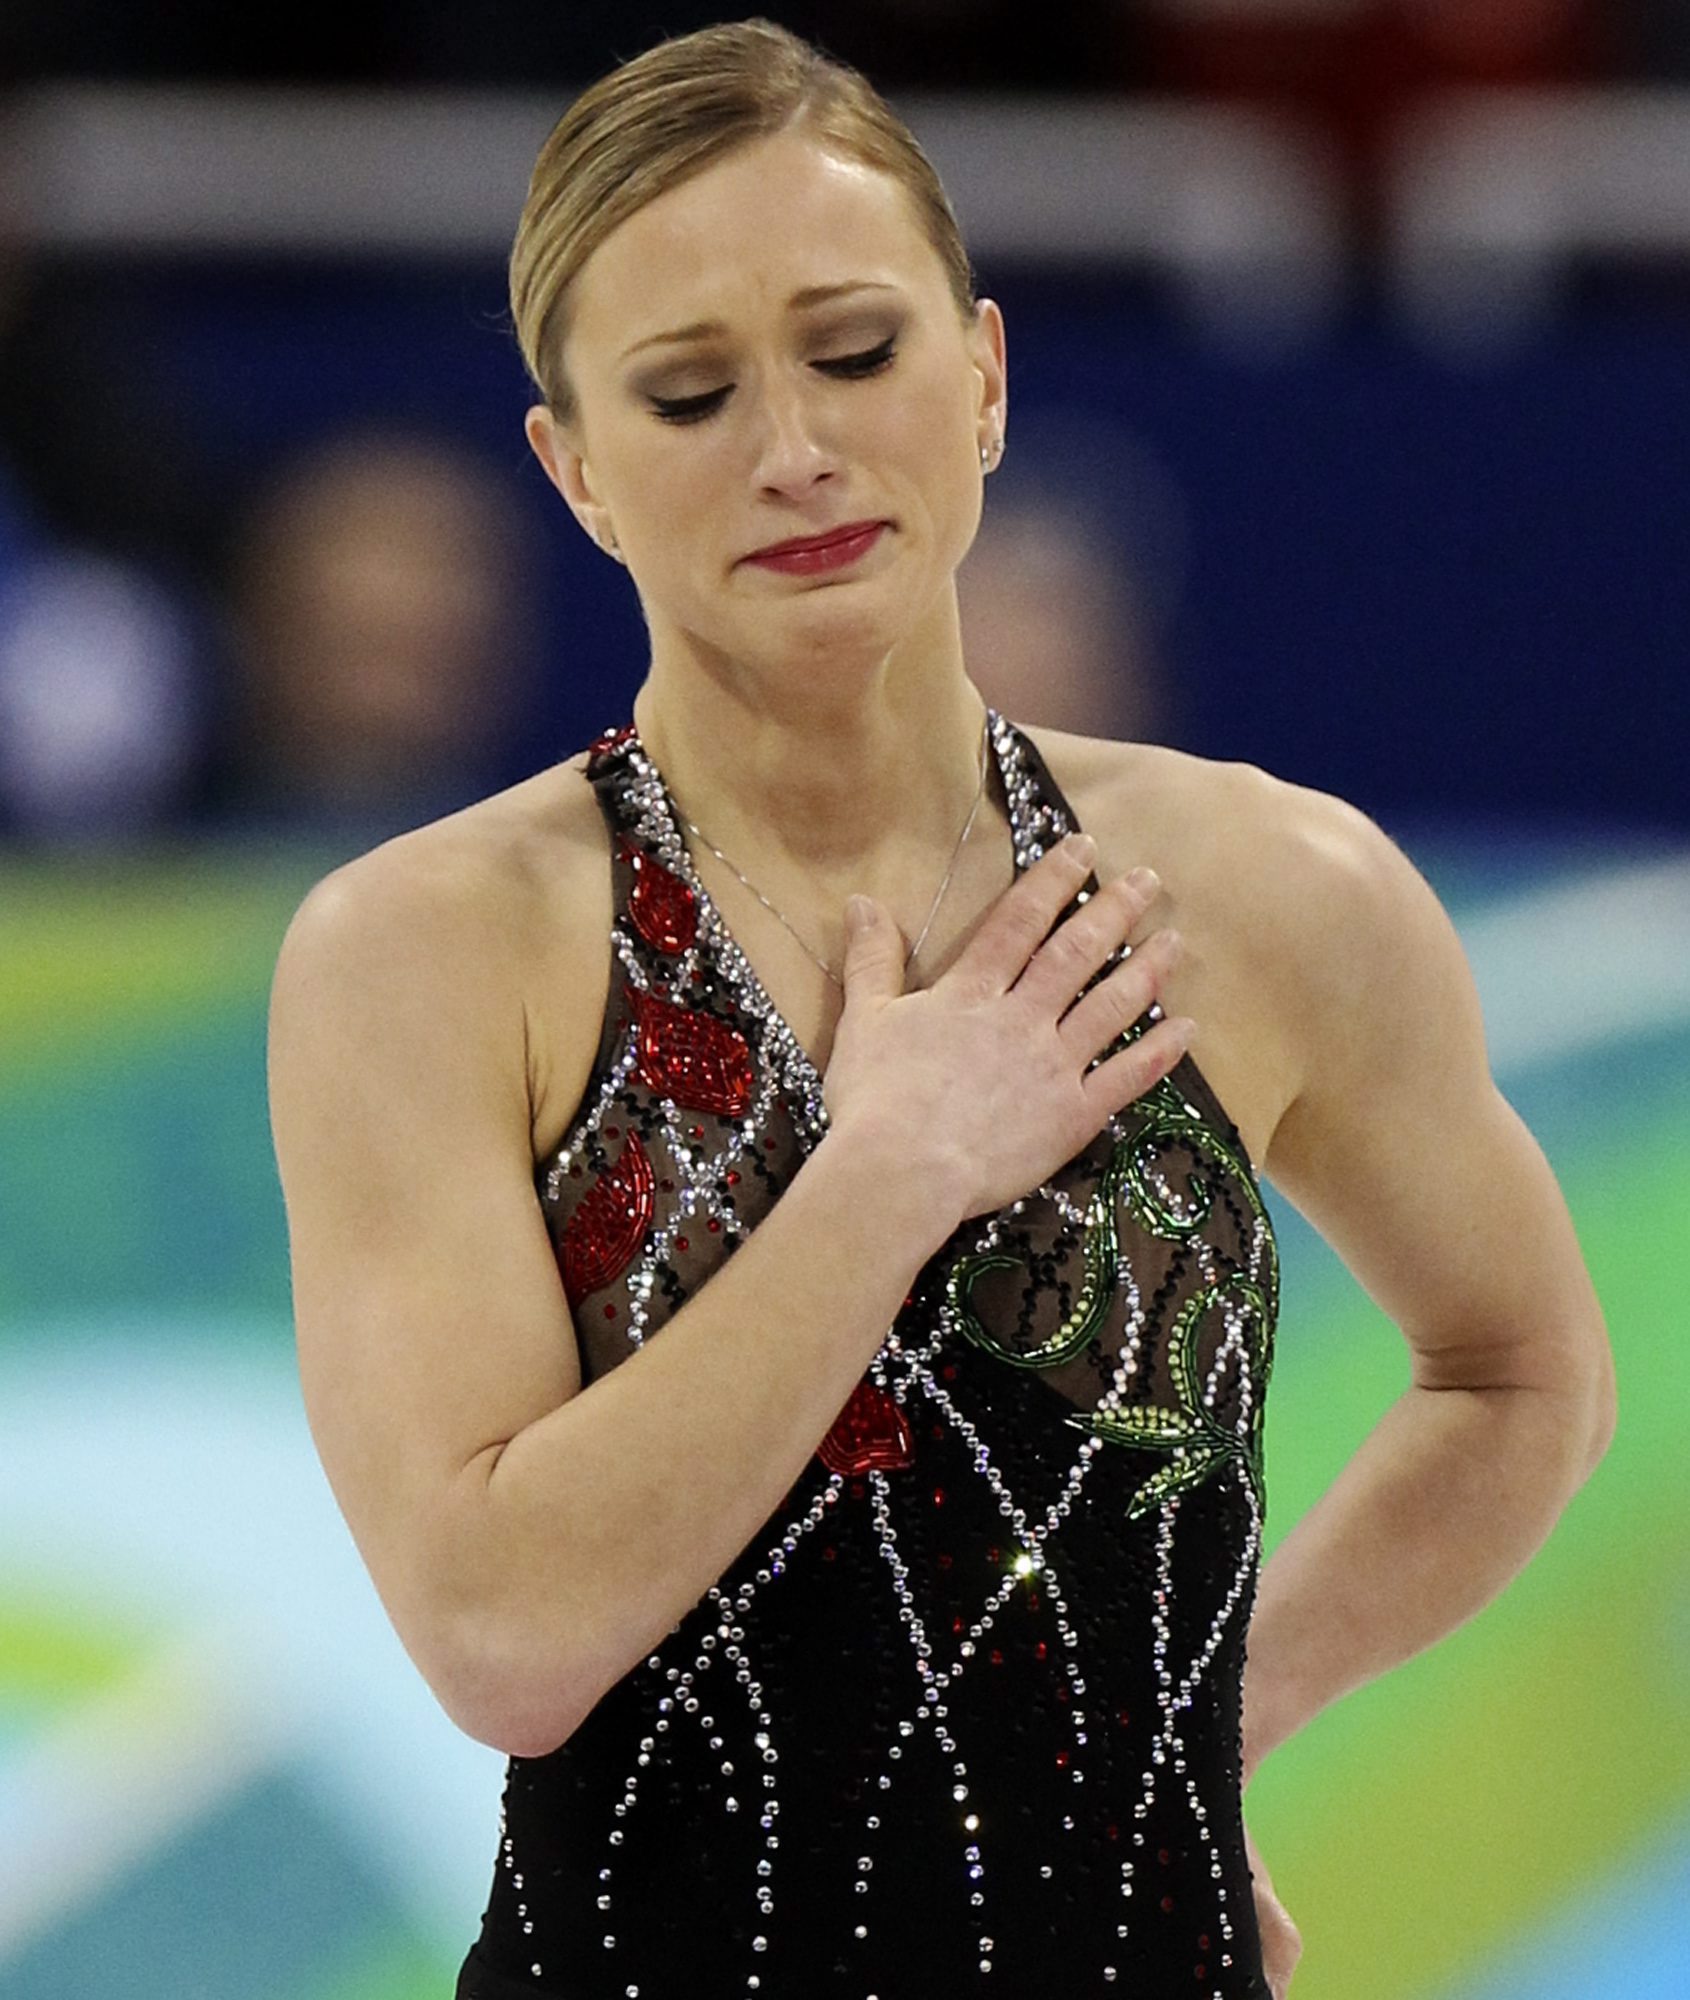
(851, 367)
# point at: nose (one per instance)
(792, 454)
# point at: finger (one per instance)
(1127, 1075)
(1080, 946)
(874, 953)
(1114, 1003)
(1019, 921)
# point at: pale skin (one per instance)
(438, 1003)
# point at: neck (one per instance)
(848, 780)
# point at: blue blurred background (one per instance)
(1349, 435)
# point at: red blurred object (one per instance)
(1352, 68)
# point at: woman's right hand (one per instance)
(984, 1078)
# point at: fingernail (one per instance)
(858, 911)
(1082, 847)
(1145, 880)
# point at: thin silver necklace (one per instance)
(698, 833)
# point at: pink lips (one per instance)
(812, 554)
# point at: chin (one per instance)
(843, 639)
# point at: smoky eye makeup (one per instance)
(851, 355)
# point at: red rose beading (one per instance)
(871, 1434)
(661, 907)
(608, 1224)
(602, 746)
(691, 1058)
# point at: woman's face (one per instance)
(767, 352)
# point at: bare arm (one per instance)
(532, 1539)
(1401, 1151)
(612, 1514)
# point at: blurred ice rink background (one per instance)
(1349, 435)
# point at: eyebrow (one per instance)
(811, 295)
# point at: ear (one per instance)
(986, 347)
(558, 452)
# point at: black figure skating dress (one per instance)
(962, 1721)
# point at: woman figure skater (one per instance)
(783, 1297)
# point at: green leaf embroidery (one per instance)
(1199, 1443)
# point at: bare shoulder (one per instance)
(488, 915)
(475, 871)
(1293, 904)
(1209, 804)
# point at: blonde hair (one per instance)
(666, 115)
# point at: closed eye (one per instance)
(847, 367)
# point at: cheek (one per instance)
(687, 491)
(934, 449)
(928, 408)
(673, 480)
(931, 427)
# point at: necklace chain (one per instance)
(933, 908)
